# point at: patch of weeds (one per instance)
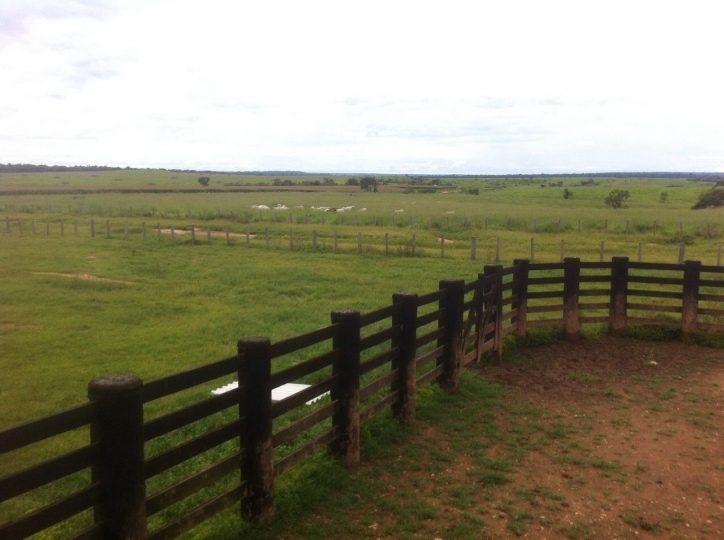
(641, 467)
(536, 338)
(495, 464)
(492, 478)
(710, 492)
(461, 497)
(666, 432)
(462, 530)
(641, 522)
(584, 377)
(611, 393)
(576, 530)
(677, 517)
(707, 339)
(621, 422)
(422, 510)
(600, 463)
(702, 419)
(538, 492)
(657, 408)
(557, 431)
(518, 522)
(669, 394)
(645, 332)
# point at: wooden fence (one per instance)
(407, 245)
(161, 457)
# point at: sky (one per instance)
(392, 86)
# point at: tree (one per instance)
(204, 180)
(617, 198)
(567, 194)
(368, 183)
(352, 181)
(663, 197)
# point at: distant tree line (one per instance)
(26, 167)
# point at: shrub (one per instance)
(710, 199)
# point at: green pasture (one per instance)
(157, 306)
(185, 304)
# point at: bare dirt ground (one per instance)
(634, 445)
(595, 439)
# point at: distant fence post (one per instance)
(442, 246)
(336, 247)
(682, 253)
(387, 243)
(532, 250)
(619, 294)
(93, 228)
(257, 463)
(118, 431)
(406, 382)
(571, 285)
(520, 289)
(193, 235)
(346, 418)
(473, 246)
(452, 320)
(108, 228)
(690, 302)
(497, 249)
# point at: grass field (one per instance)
(73, 308)
(168, 306)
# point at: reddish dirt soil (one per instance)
(641, 451)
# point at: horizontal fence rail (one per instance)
(156, 459)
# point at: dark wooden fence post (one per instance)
(257, 463)
(619, 294)
(690, 302)
(452, 319)
(571, 285)
(118, 431)
(498, 350)
(346, 419)
(406, 383)
(520, 289)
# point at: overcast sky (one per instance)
(444, 86)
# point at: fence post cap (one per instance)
(341, 314)
(113, 384)
(253, 342)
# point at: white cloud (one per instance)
(460, 86)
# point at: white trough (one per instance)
(279, 393)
